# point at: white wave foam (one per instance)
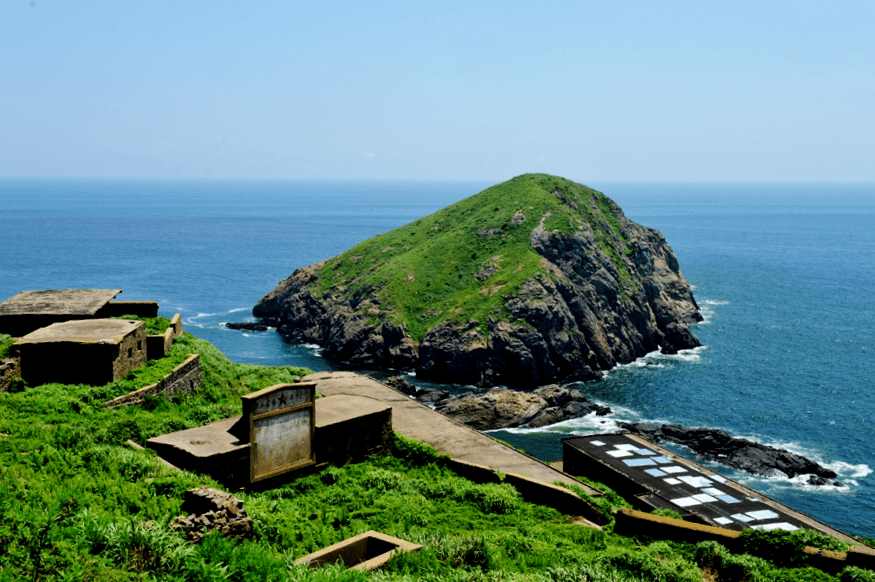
(706, 308)
(235, 310)
(311, 346)
(714, 302)
(656, 358)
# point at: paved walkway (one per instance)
(417, 421)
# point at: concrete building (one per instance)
(31, 310)
(91, 351)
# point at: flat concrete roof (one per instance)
(90, 331)
(202, 442)
(335, 409)
(678, 483)
(79, 302)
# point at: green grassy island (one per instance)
(533, 281)
(77, 503)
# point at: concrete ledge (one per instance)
(826, 560)
(472, 471)
(365, 551)
(186, 377)
(631, 522)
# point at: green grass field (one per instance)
(76, 503)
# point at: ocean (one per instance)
(784, 274)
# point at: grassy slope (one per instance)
(77, 504)
(426, 269)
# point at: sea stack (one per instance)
(534, 281)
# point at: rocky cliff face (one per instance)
(604, 292)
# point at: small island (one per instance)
(534, 281)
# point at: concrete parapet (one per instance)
(186, 377)
(176, 324)
(631, 522)
(559, 498)
(473, 471)
(861, 557)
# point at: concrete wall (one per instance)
(138, 308)
(185, 378)
(354, 439)
(159, 345)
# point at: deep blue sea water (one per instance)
(784, 274)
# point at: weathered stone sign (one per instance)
(280, 423)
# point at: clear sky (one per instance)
(612, 90)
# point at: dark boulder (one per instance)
(720, 447)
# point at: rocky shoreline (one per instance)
(719, 446)
(504, 408)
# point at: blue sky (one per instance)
(593, 91)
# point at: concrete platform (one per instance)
(417, 421)
(650, 476)
(209, 449)
(347, 429)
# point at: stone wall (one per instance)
(186, 378)
(9, 369)
(131, 353)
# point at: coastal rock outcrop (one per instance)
(534, 281)
(504, 408)
(719, 446)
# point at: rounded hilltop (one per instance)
(532, 281)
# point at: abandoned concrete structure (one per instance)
(284, 431)
(28, 311)
(94, 351)
(65, 336)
